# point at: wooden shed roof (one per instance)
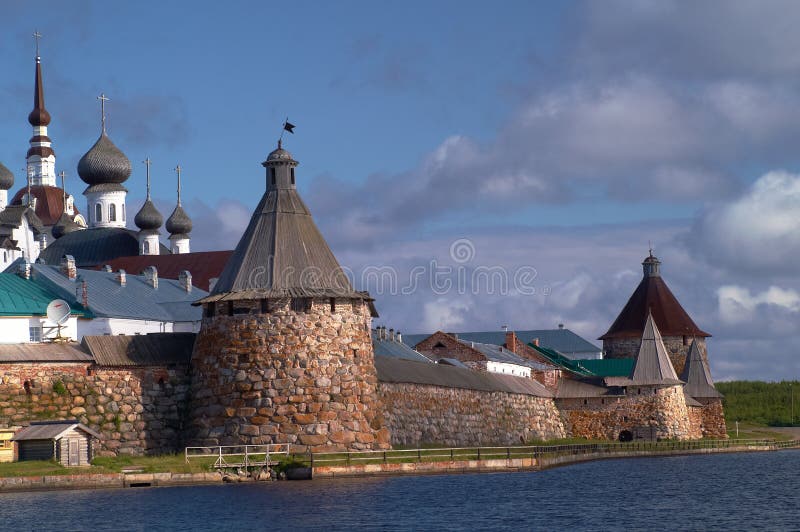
(52, 430)
(154, 349)
(697, 375)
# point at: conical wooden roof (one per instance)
(653, 366)
(653, 296)
(697, 375)
(282, 254)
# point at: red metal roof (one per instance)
(203, 265)
(49, 202)
(653, 294)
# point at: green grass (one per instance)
(755, 431)
(761, 403)
(35, 468)
(169, 463)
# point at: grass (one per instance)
(168, 463)
(749, 430)
(35, 468)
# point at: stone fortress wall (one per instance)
(677, 347)
(137, 410)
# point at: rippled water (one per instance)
(723, 492)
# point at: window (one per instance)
(146, 248)
(35, 333)
(293, 176)
(112, 213)
(123, 212)
(272, 175)
(98, 213)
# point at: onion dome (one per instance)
(104, 163)
(65, 225)
(178, 222)
(6, 178)
(148, 218)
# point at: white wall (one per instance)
(508, 369)
(101, 326)
(16, 330)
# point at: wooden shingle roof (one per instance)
(154, 349)
(697, 375)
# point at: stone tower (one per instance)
(678, 330)
(284, 353)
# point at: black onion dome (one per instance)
(179, 222)
(148, 218)
(104, 163)
(64, 225)
(6, 178)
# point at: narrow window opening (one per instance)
(98, 213)
(293, 176)
(264, 306)
(112, 213)
(333, 304)
(272, 176)
(230, 308)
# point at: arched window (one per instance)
(98, 213)
(146, 248)
(123, 212)
(112, 213)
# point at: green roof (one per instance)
(25, 297)
(591, 367)
(608, 367)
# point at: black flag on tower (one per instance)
(287, 126)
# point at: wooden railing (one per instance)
(239, 456)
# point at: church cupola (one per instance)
(280, 169)
(41, 159)
(149, 221)
(104, 168)
(6, 182)
(179, 225)
(651, 266)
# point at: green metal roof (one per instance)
(608, 367)
(25, 297)
(590, 367)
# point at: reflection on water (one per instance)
(724, 492)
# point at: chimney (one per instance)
(67, 267)
(391, 335)
(107, 268)
(536, 342)
(399, 337)
(24, 270)
(42, 242)
(185, 279)
(511, 341)
(151, 276)
(122, 278)
(505, 328)
(560, 325)
(84, 293)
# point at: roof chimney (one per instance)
(151, 276)
(399, 337)
(511, 341)
(122, 278)
(67, 267)
(505, 328)
(560, 325)
(108, 268)
(185, 279)
(536, 342)
(391, 335)
(24, 270)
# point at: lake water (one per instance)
(740, 491)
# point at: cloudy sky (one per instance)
(473, 167)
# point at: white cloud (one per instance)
(444, 314)
(757, 232)
(738, 305)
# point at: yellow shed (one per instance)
(6, 445)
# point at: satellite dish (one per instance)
(58, 311)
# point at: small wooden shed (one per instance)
(68, 442)
(6, 445)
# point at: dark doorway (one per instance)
(626, 435)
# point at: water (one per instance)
(724, 492)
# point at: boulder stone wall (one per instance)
(299, 372)
(418, 414)
(137, 410)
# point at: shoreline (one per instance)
(528, 463)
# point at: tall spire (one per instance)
(40, 158)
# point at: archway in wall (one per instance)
(625, 435)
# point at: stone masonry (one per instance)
(677, 347)
(418, 414)
(137, 410)
(298, 372)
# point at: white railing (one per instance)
(236, 456)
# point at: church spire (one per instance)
(41, 159)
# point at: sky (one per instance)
(472, 167)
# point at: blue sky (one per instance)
(559, 136)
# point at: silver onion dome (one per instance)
(148, 218)
(104, 163)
